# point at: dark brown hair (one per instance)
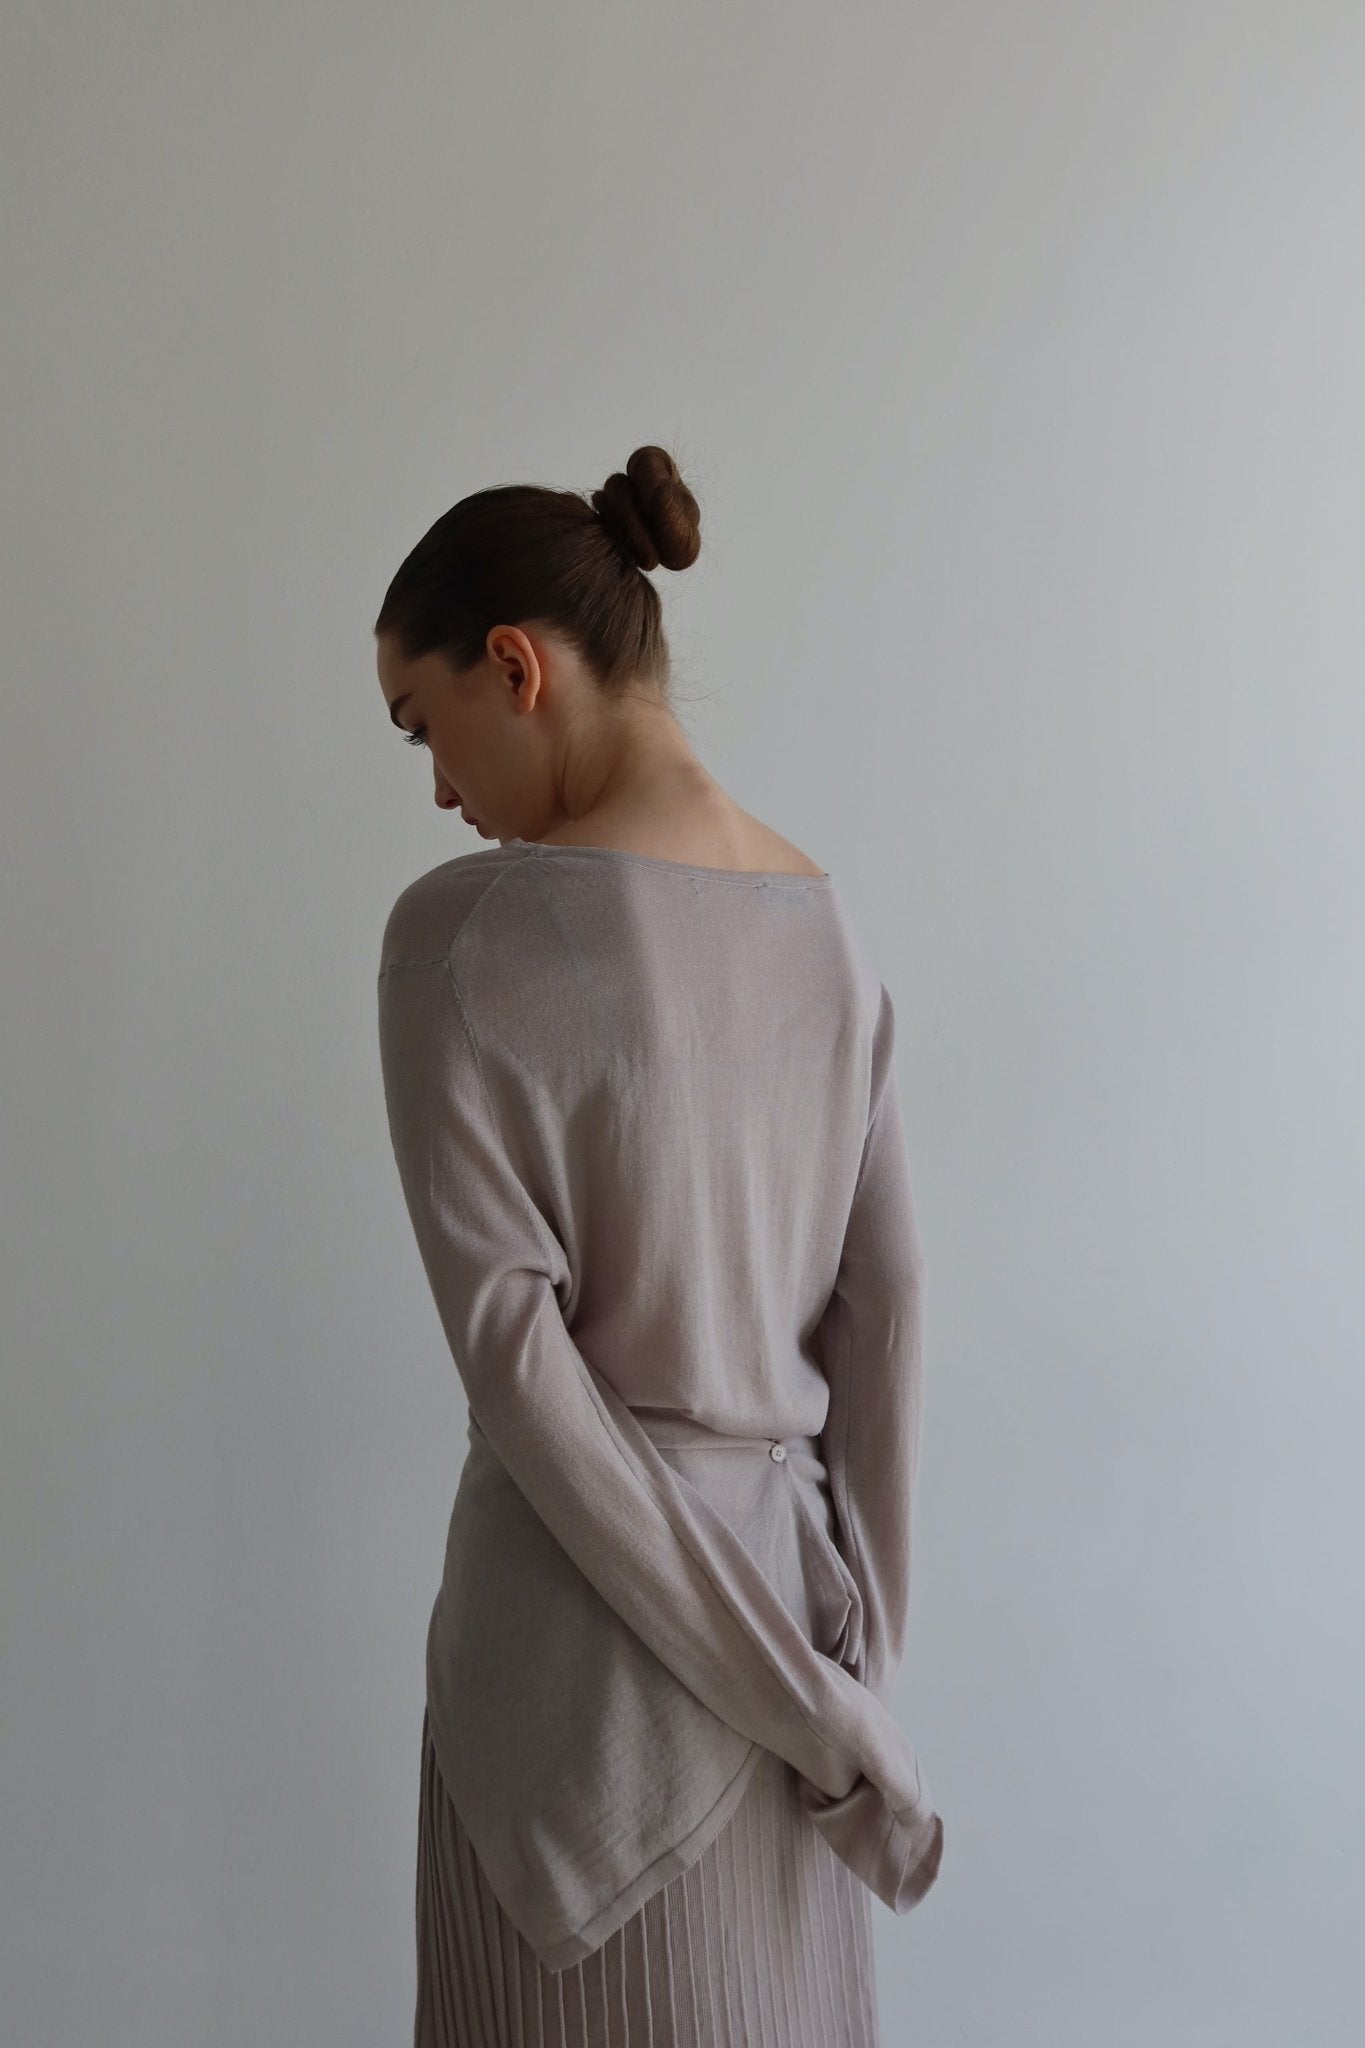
(522, 552)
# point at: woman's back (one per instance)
(646, 1119)
(682, 1058)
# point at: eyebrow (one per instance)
(393, 709)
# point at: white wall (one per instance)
(1014, 354)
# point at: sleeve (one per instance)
(870, 1344)
(648, 1541)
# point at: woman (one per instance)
(639, 1077)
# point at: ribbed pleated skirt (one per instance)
(766, 1942)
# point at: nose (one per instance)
(446, 797)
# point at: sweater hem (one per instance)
(562, 1952)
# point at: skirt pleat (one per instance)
(765, 1942)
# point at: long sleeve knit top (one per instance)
(646, 1121)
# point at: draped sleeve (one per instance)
(870, 1342)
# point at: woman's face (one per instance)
(475, 725)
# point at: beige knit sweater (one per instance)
(647, 1125)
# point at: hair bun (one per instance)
(650, 513)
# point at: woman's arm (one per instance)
(870, 1344)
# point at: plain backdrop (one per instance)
(1014, 354)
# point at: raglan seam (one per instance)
(388, 966)
(475, 907)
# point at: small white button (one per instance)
(778, 1453)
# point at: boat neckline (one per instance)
(784, 877)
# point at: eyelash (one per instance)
(416, 739)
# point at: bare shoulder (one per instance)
(774, 853)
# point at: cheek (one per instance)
(445, 752)
(466, 761)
